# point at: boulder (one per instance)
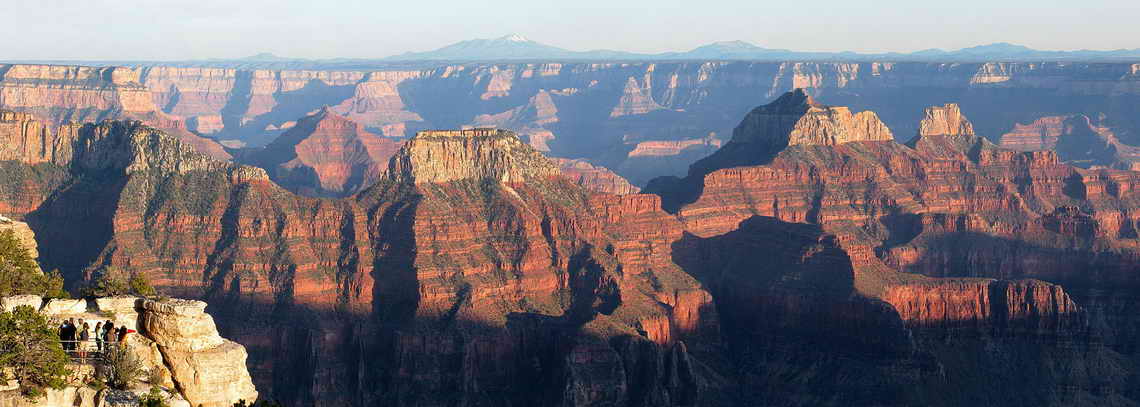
(10, 303)
(180, 324)
(59, 306)
(119, 305)
(209, 370)
(147, 352)
(125, 310)
(215, 377)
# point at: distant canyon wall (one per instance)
(639, 119)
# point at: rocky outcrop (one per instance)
(454, 155)
(420, 282)
(208, 369)
(598, 105)
(473, 271)
(1080, 140)
(950, 204)
(944, 120)
(594, 178)
(795, 119)
(325, 154)
(22, 233)
(198, 367)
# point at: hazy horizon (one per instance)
(204, 29)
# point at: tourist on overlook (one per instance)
(123, 331)
(84, 336)
(109, 333)
(98, 337)
(67, 335)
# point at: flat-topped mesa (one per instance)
(791, 120)
(440, 156)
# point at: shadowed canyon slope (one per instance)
(641, 120)
(838, 267)
(949, 204)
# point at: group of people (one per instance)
(77, 337)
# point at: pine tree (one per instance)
(30, 351)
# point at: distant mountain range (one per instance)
(514, 47)
(518, 48)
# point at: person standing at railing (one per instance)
(109, 334)
(84, 335)
(98, 337)
(67, 335)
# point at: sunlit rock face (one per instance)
(174, 338)
(951, 205)
(853, 267)
(506, 258)
(325, 154)
(596, 111)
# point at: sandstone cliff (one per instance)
(575, 110)
(408, 291)
(794, 119)
(951, 204)
(454, 155)
(595, 178)
(473, 271)
(197, 367)
(325, 154)
(1080, 140)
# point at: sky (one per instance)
(179, 29)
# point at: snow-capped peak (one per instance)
(514, 38)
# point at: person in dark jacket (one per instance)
(109, 333)
(67, 335)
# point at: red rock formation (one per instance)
(594, 178)
(794, 119)
(1079, 140)
(475, 272)
(947, 204)
(325, 154)
(505, 257)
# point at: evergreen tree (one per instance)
(19, 273)
(30, 351)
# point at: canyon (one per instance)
(639, 119)
(805, 257)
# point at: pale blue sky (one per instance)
(178, 29)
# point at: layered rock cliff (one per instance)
(950, 204)
(473, 271)
(580, 110)
(324, 154)
(195, 366)
(1080, 140)
(441, 282)
(595, 178)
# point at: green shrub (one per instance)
(109, 283)
(121, 366)
(106, 284)
(153, 398)
(30, 347)
(140, 286)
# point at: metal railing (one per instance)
(91, 351)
